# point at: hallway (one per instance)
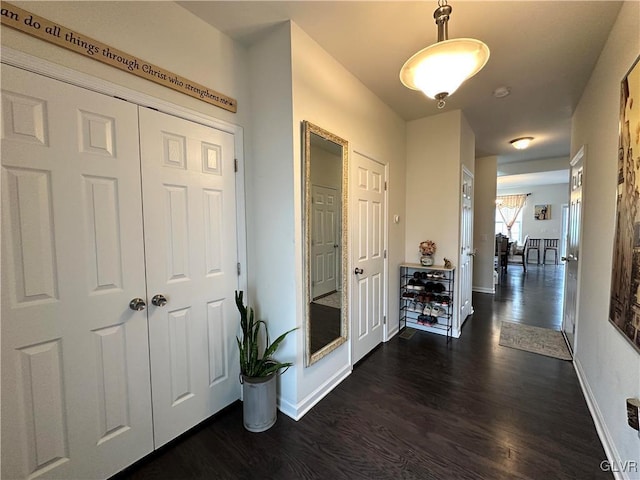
(417, 409)
(533, 298)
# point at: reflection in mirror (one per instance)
(325, 193)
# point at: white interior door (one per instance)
(368, 292)
(465, 272)
(75, 368)
(572, 264)
(190, 242)
(325, 207)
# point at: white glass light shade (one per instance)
(521, 143)
(443, 66)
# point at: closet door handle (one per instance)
(358, 271)
(159, 300)
(137, 304)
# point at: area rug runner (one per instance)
(543, 341)
(332, 300)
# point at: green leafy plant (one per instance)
(252, 364)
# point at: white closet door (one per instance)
(75, 367)
(367, 257)
(190, 243)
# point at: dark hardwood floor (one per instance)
(419, 409)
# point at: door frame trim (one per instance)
(67, 75)
(459, 321)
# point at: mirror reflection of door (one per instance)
(325, 241)
(324, 184)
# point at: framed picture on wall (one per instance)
(624, 306)
(542, 212)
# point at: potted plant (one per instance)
(258, 371)
(427, 250)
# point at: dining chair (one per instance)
(550, 244)
(521, 251)
(534, 244)
(502, 252)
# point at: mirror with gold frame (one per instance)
(325, 241)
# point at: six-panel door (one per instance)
(367, 299)
(190, 242)
(76, 397)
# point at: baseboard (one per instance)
(392, 334)
(298, 411)
(603, 433)
(484, 290)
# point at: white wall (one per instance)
(532, 166)
(433, 178)
(484, 224)
(326, 94)
(326, 168)
(607, 363)
(155, 32)
(271, 226)
(437, 147)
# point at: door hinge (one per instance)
(239, 270)
(384, 319)
(385, 186)
(235, 165)
(385, 254)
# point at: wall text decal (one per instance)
(52, 32)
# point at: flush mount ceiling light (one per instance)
(440, 69)
(501, 92)
(521, 143)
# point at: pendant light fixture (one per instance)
(440, 69)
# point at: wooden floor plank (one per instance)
(421, 409)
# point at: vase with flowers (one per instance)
(427, 250)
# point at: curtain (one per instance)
(509, 207)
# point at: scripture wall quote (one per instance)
(52, 32)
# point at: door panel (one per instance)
(368, 228)
(466, 249)
(75, 370)
(569, 316)
(325, 241)
(190, 242)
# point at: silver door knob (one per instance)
(137, 304)
(159, 300)
(358, 271)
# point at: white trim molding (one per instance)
(613, 457)
(298, 411)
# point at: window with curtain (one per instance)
(516, 228)
(508, 209)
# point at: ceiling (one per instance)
(543, 51)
